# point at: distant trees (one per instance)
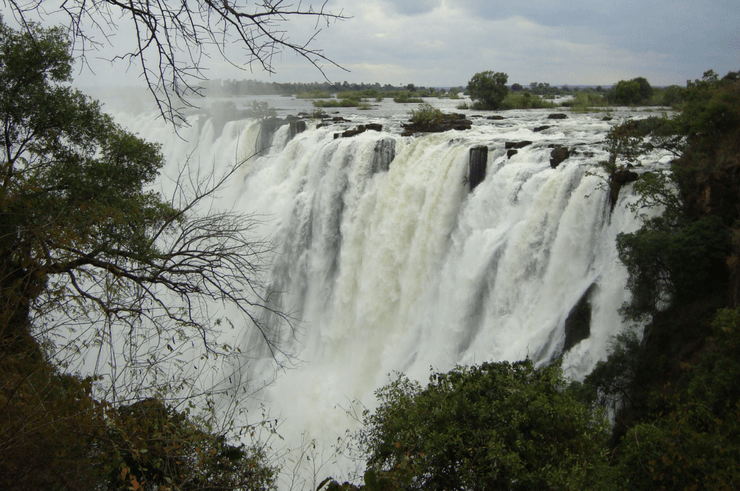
(489, 88)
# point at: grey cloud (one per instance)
(412, 7)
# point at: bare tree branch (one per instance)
(173, 39)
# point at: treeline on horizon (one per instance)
(637, 91)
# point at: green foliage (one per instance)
(493, 426)
(669, 263)
(406, 97)
(45, 420)
(261, 110)
(314, 94)
(57, 436)
(489, 88)
(695, 443)
(635, 91)
(85, 242)
(426, 115)
(336, 103)
(610, 382)
(585, 100)
(74, 186)
(525, 100)
(151, 444)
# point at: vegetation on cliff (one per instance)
(93, 261)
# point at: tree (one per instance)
(627, 92)
(149, 443)
(693, 442)
(84, 242)
(646, 90)
(489, 88)
(93, 262)
(171, 41)
(635, 91)
(493, 426)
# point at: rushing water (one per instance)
(391, 263)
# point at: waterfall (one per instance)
(391, 262)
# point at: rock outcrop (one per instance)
(558, 155)
(447, 122)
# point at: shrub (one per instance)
(493, 426)
(525, 100)
(426, 115)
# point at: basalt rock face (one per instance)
(268, 128)
(297, 127)
(619, 178)
(521, 144)
(383, 155)
(477, 165)
(578, 323)
(447, 122)
(360, 129)
(558, 155)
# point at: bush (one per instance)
(493, 426)
(525, 100)
(426, 115)
(406, 98)
(314, 94)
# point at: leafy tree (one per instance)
(489, 88)
(627, 92)
(93, 260)
(85, 242)
(646, 90)
(151, 445)
(635, 91)
(56, 435)
(493, 426)
(45, 420)
(695, 442)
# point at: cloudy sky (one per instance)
(444, 42)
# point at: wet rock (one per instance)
(558, 155)
(297, 127)
(477, 163)
(447, 122)
(557, 116)
(578, 323)
(521, 144)
(383, 155)
(360, 129)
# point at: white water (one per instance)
(405, 269)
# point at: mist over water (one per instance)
(390, 262)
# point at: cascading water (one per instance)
(391, 263)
